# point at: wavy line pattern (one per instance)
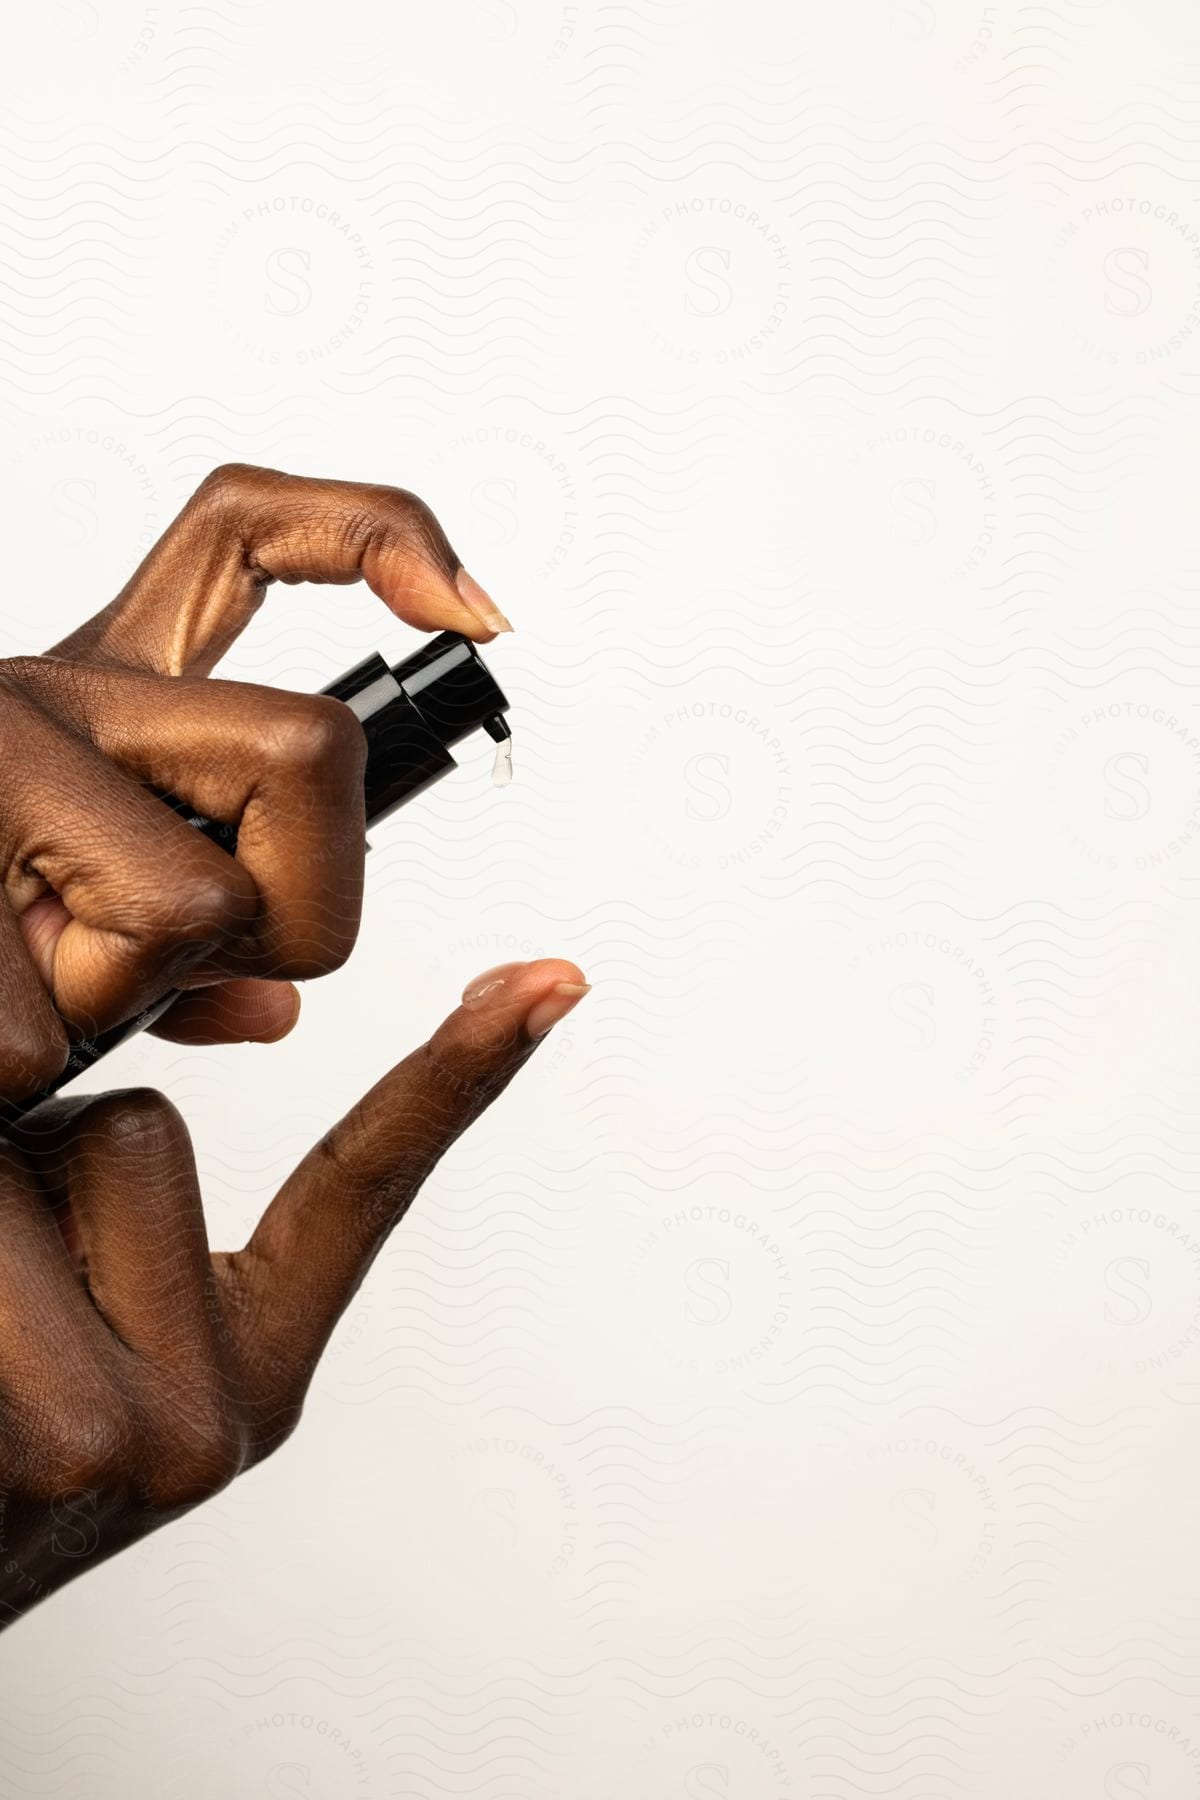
(787, 1388)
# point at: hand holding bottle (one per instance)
(109, 897)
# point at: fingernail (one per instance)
(555, 1006)
(481, 603)
(487, 983)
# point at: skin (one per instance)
(110, 898)
(139, 1371)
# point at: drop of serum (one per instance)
(497, 729)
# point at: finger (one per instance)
(286, 769)
(119, 1170)
(45, 1320)
(222, 1012)
(33, 1043)
(145, 895)
(245, 528)
(232, 1012)
(320, 1234)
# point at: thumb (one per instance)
(245, 1011)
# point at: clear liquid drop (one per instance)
(502, 766)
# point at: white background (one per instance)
(791, 1387)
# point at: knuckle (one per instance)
(363, 528)
(227, 487)
(16, 706)
(315, 731)
(202, 905)
(417, 519)
(21, 669)
(308, 962)
(397, 515)
(348, 1163)
(81, 1446)
(30, 1058)
(137, 1119)
(275, 1429)
(313, 938)
(201, 1450)
(405, 507)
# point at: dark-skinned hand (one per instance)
(139, 1372)
(110, 899)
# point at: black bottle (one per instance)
(411, 713)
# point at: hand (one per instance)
(138, 1373)
(109, 898)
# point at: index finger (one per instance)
(245, 528)
(322, 1231)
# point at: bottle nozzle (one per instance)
(416, 710)
(497, 729)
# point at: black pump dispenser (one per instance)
(411, 713)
